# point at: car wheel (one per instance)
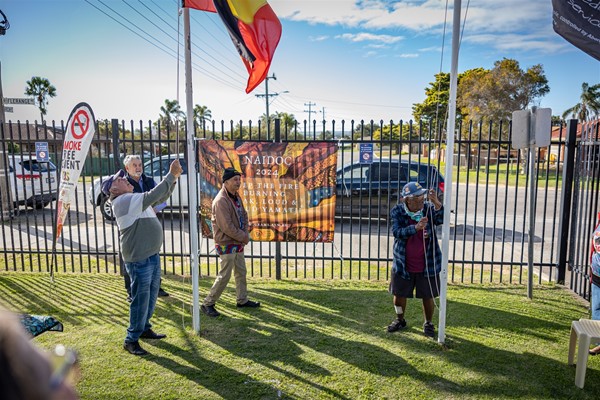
(106, 209)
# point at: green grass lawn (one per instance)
(312, 339)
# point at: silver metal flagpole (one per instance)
(192, 173)
(448, 176)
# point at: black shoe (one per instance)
(396, 325)
(162, 293)
(211, 311)
(249, 303)
(429, 329)
(150, 334)
(129, 298)
(134, 348)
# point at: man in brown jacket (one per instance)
(230, 232)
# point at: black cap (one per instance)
(229, 173)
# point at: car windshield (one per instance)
(35, 166)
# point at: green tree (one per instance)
(40, 88)
(169, 113)
(202, 114)
(496, 93)
(589, 103)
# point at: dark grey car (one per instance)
(371, 190)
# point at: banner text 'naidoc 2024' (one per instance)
(288, 189)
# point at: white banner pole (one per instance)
(448, 173)
(192, 174)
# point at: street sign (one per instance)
(366, 153)
(8, 109)
(41, 152)
(14, 100)
(531, 128)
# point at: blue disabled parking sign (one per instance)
(366, 153)
(41, 152)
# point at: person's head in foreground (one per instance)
(414, 196)
(232, 180)
(117, 185)
(27, 373)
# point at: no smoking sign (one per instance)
(80, 124)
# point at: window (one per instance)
(35, 166)
(160, 168)
(356, 172)
(387, 172)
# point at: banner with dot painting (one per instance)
(288, 189)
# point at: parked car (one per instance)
(371, 190)
(32, 183)
(155, 168)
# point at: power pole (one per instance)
(324, 130)
(309, 105)
(266, 95)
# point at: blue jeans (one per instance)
(595, 302)
(145, 282)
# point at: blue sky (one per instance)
(354, 60)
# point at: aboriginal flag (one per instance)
(254, 29)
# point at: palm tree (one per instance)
(589, 103)
(202, 114)
(40, 88)
(170, 111)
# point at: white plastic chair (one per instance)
(586, 330)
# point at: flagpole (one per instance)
(448, 176)
(192, 173)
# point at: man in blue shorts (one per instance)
(417, 254)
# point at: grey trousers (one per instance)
(229, 262)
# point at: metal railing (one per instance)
(488, 240)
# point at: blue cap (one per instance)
(413, 189)
(106, 185)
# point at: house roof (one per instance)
(23, 132)
(588, 129)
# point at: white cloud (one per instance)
(494, 19)
(365, 36)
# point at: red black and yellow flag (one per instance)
(254, 29)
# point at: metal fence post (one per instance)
(277, 244)
(115, 142)
(565, 202)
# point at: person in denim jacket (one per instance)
(417, 254)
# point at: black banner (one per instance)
(578, 21)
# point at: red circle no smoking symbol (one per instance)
(80, 124)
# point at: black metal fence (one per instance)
(488, 240)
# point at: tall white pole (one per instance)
(448, 174)
(192, 175)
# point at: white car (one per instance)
(155, 168)
(32, 183)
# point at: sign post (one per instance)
(531, 129)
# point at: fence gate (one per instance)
(585, 208)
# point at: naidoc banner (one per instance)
(288, 189)
(578, 21)
(81, 127)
